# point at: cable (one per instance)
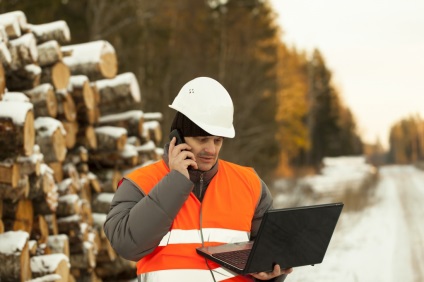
(203, 244)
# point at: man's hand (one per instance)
(270, 275)
(180, 157)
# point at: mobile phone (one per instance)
(180, 139)
(177, 134)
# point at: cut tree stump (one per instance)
(96, 59)
(17, 134)
(14, 256)
(50, 264)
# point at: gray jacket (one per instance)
(136, 223)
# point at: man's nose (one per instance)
(210, 147)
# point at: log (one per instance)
(96, 59)
(40, 230)
(132, 121)
(32, 248)
(49, 53)
(32, 163)
(124, 159)
(42, 184)
(17, 134)
(52, 224)
(5, 56)
(50, 136)
(119, 268)
(57, 170)
(154, 130)
(94, 182)
(48, 278)
(15, 193)
(147, 152)
(119, 94)
(25, 78)
(157, 116)
(68, 186)
(110, 138)
(105, 252)
(24, 51)
(87, 138)
(101, 202)
(86, 259)
(2, 78)
(47, 203)
(58, 244)
(66, 109)
(77, 155)
(68, 205)
(80, 90)
(13, 22)
(9, 173)
(14, 256)
(71, 129)
(50, 264)
(43, 97)
(109, 179)
(57, 74)
(18, 216)
(57, 30)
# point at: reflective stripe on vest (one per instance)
(178, 236)
(226, 212)
(186, 275)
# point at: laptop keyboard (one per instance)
(235, 258)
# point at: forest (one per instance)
(288, 114)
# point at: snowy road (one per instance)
(383, 242)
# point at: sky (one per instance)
(374, 49)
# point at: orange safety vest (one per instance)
(224, 216)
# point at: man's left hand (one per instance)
(270, 275)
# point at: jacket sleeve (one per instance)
(136, 223)
(264, 204)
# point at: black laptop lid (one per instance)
(295, 237)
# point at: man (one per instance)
(162, 212)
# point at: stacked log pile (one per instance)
(70, 126)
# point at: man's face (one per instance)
(205, 149)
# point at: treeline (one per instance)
(288, 114)
(407, 141)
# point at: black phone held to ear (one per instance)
(176, 133)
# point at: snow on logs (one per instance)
(17, 134)
(95, 59)
(70, 127)
(14, 256)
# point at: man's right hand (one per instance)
(180, 158)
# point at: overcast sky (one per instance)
(375, 50)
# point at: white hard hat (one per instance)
(207, 103)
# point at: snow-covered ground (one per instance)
(381, 241)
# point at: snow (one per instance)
(6, 56)
(87, 52)
(153, 116)
(57, 241)
(382, 240)
(46, 126)
(28, 40)
(99, 218)
(17, 111)
(146, 147)
(48, 27)
(129, 151)
(47, 278)
(13, 241)
(114, 131)
(127, 78)
(133, 115)
(47, 263)
(70, 199)
(77, 80)
(15, 96)
(105, 197)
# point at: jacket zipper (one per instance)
(201, 187)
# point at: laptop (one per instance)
(290, 237)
